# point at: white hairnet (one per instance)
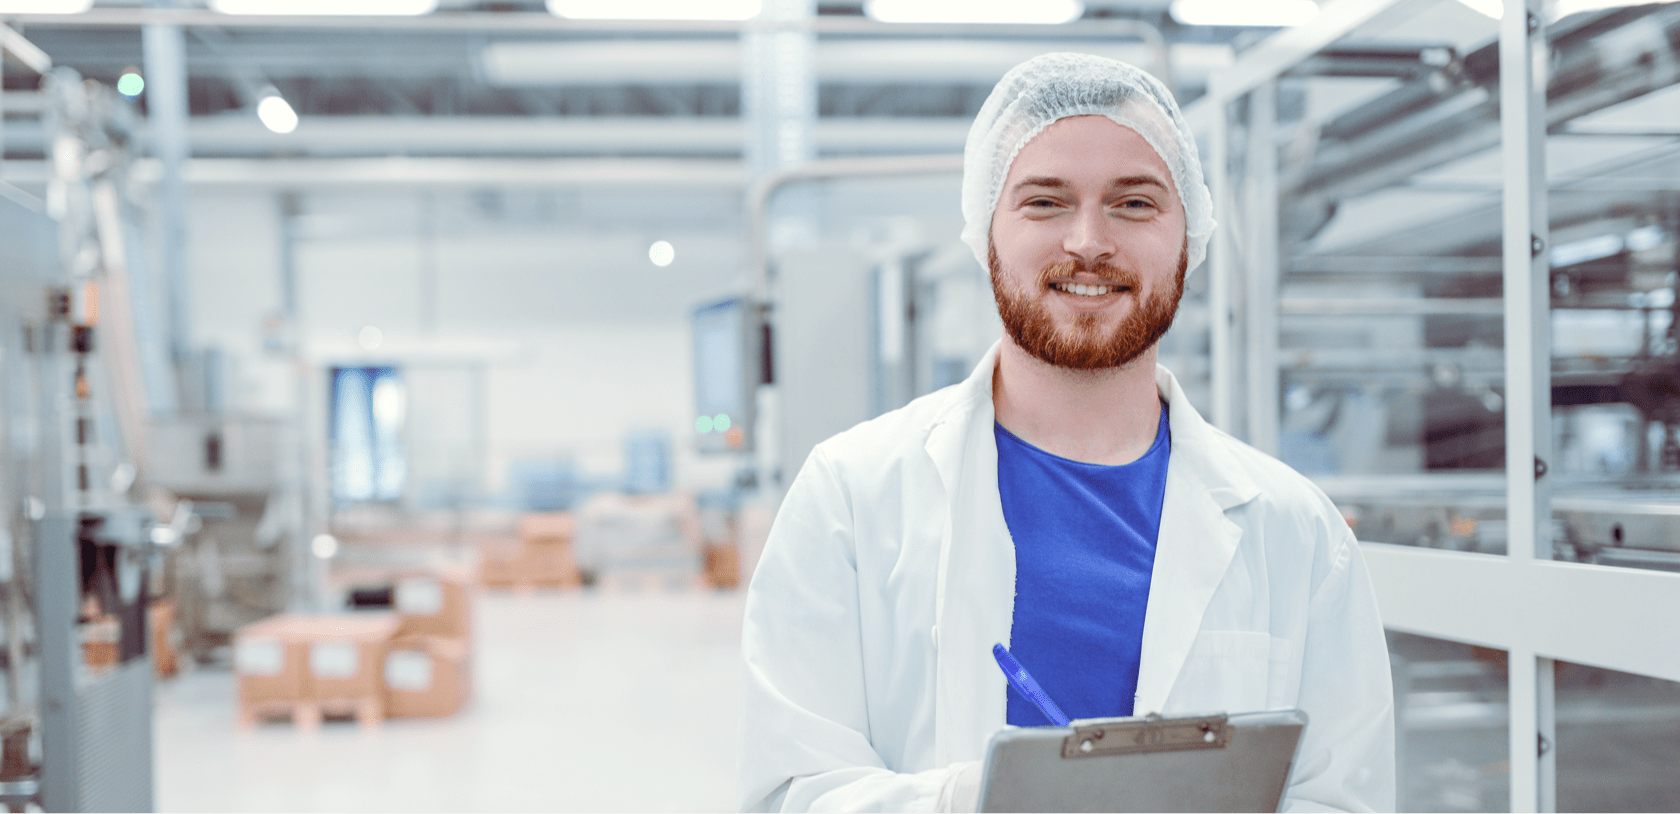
(1044, 89)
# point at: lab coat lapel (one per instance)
(976, 586)
(1194, 547)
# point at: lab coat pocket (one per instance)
(1227, 670)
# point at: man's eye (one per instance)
(1133, 207)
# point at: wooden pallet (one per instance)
(306, 716)
(528, 585)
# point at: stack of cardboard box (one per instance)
(305, 667)
(428, 668)
(414, 660)
(538, 556)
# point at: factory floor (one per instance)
(584, 701)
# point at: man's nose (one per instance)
(1088, 236)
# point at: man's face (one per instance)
(1088, 245)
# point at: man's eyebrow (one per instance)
(1137, 181)
(1052, 182)
(1041, 181)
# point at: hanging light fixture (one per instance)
(723, 10)
(44, 6)
(337, 8)
(1256, 13)
(1048, 12)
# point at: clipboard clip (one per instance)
(1151, 733)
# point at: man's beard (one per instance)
(1082, 346)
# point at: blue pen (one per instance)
(1024, 684)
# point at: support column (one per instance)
(1528, 390)
(1222, 370)
(166, 103)
(1261, 260)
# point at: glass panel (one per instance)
(1618, 741)
(1611, 159)
(1388, 331)
(1452, 706)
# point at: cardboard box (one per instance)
(346, 654)
(546, 527)
(269, 658)
(426, 676)
(434, 602)
(723, 566)
(160, 626)
(543, 562)
(100, 647)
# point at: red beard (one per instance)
(1083, 346)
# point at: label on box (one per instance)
(258, 657)
(419, 596)
(333, 659)
(408, 670)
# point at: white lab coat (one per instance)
(890, 573)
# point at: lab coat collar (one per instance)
(975, 593)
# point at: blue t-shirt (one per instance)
(1084, 549)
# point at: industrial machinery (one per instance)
(1444, 287)
(77, 558)
(1382, 312)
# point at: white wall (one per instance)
(595, 336)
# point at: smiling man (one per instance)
(1065, 500)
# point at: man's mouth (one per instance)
(1087, 290)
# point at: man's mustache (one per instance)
(1109, 274)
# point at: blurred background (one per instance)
(398, 393)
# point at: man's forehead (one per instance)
(1077, 148)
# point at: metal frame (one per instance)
(1535, 609)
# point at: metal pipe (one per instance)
(537, 22)
(760, 194)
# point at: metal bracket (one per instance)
(1535, 246)
(1544, 746)
(1540, 468)
(1150, 734)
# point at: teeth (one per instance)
(1085, 290)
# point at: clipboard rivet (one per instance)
(1086, 746)
(1208, 736)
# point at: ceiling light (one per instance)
(1490, 8)
(656, 9)
(131, 84)
(298, 8)
(1559, 9)
(1564, 8)
(1258, 13)
(44, 6)
(276, 115)
(974, 11)
(661, 253)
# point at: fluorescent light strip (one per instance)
(1559, 9)
(1256, 13)
(1047, 12)
(326, 8)
(728, 10)
(44, 6)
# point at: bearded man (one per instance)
(1065, 500)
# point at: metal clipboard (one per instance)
(1212, 762)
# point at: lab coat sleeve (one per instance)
(1346, 762)
(804, 727)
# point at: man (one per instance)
(1066, 501)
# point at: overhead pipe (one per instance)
(763, 191)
